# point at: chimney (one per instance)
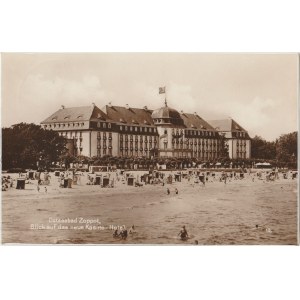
(127, 106)
(181, 111)
(109, 104)
(93, 104)
(62, 107)
(145, 108)
(195, 114)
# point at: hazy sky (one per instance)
(259, 91)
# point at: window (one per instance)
(98, 124)
(104, 125)
(165, 132)
(121, 127)
(109, 125)
(130, 128)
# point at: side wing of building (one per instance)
(237, 138)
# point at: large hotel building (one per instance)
(135, 132)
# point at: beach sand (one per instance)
(213, 214)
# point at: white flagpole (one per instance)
(166, 96)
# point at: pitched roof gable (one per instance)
(196, 122)
(75, 114)
(226, 125)
(129, 115)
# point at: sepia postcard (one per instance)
(149, 148)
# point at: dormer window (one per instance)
(54, 118)
(66, 117)
(79, 117)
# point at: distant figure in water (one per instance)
(168, 191)
(183, 234)
(123, 234)
(176, 191)
(264, 228)
(132, 230)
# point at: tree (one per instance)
(262, 149)
(224, 153)
(286, 147)
(29, 145)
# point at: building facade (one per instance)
(141, 132)
(237, 138)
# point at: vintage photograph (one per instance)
(150, 148)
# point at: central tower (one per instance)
(168, 121)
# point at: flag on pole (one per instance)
(162, 90)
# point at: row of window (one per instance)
(126, 153)
(137, 129)
(63, 125)
(195, 142)
(204, 155)
(71, 134)
(241, 143)
(239, 134)
(103, 125)
(200, 133)
(127, 137)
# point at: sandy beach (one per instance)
(240, 212)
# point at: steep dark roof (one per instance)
(165, 112)
(131, 115)
(195, 122)
(71, 114)
(226, 125)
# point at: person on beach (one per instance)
(183, 233)
(45, 189)
(168, 191)
(176, 191)
(38, 188)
